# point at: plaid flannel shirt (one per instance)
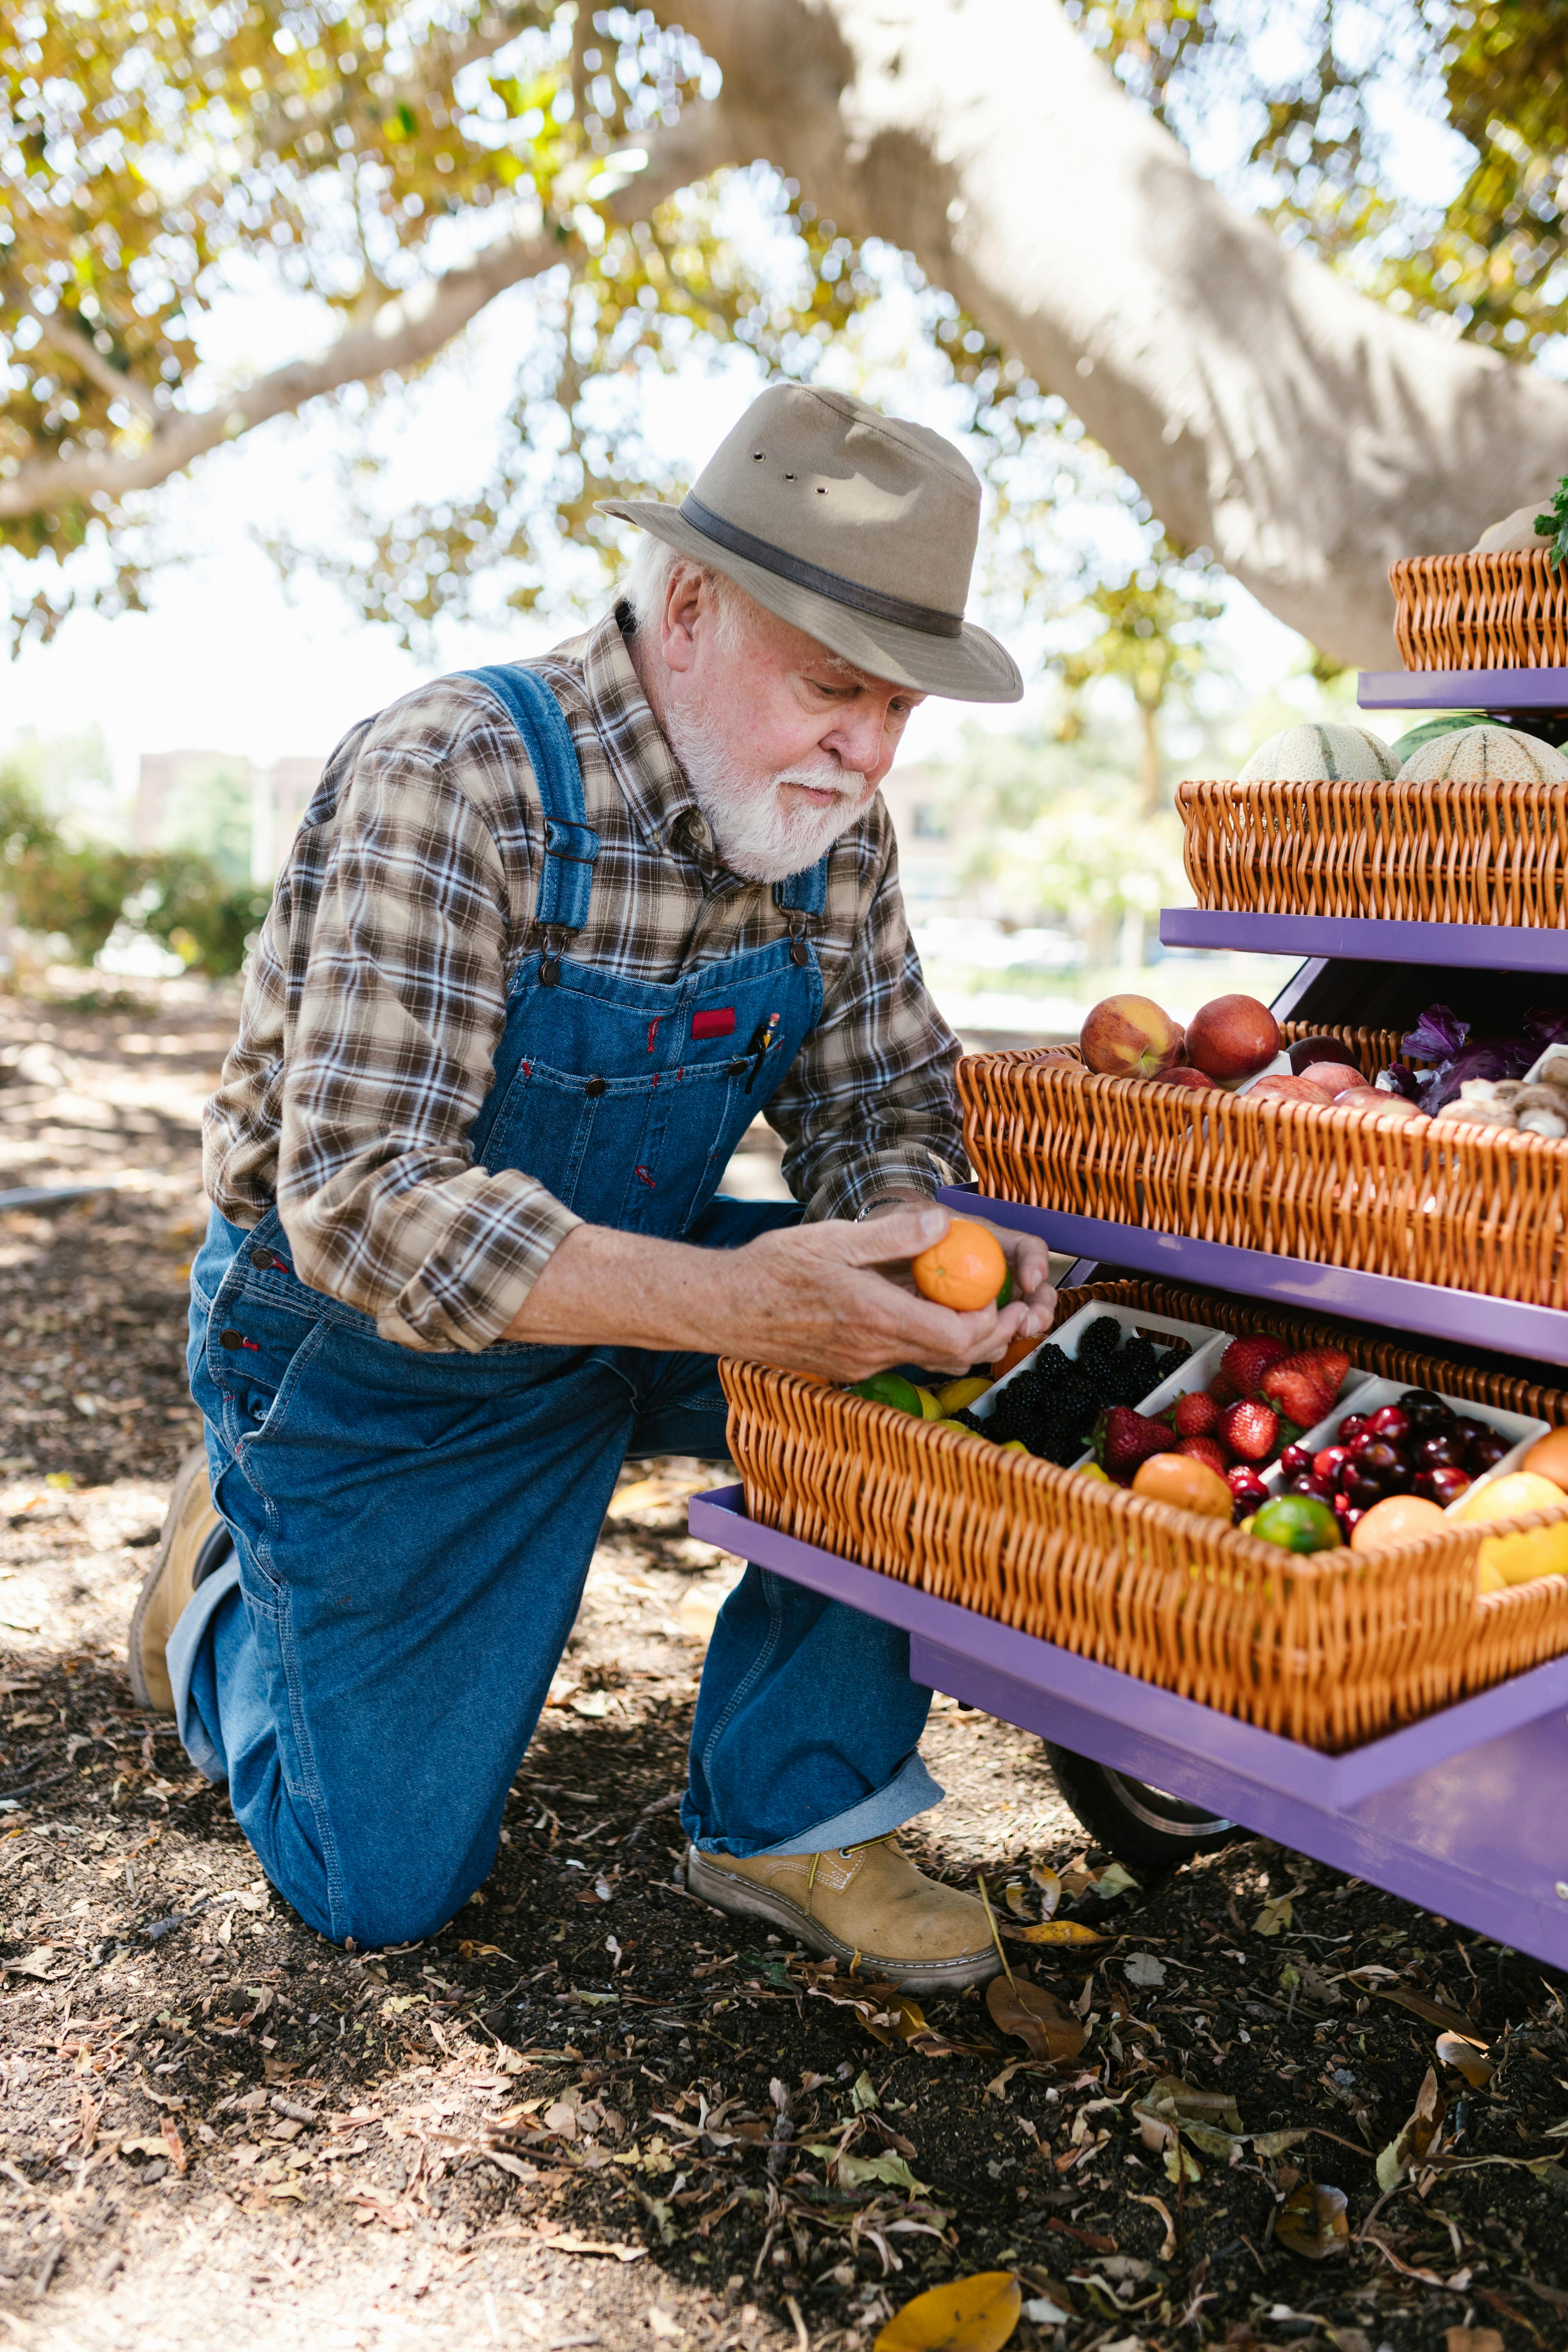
(377, 992)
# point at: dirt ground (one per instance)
(591, 2111)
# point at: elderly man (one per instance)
(549, 937)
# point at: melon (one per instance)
(1333, 753)
(1485, 755)
(1431, 729)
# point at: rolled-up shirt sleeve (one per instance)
(400, 1008)
(869, 1107)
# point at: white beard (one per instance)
(755, 832)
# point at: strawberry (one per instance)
(1196, 1415)
(1304, 1387)
(1222, 1388)
(1209, 1450)
(1246, 1360)
(1124, 1439)
(1249, 1429)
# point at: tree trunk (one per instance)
(1305, 433)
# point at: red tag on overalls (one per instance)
(714, 1025)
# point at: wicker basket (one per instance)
(1480, 612)
(1436, 1202)
(1390, 852)
(1332, 1651)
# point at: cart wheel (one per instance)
(1130, 1820)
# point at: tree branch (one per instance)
(1269, 411)
(404, 332)
(81, 349)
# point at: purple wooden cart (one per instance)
(1467, 1813)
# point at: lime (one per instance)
(1298, 1523)
(890, 1389)
(1004, 1296)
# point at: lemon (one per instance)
(958, 1394)
(1015, 1446)
(929, 1405)
(1093, 1470)
(1516, 1560)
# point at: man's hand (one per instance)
(1029, 1261)
(834, 1298)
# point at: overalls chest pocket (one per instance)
(627, 1098)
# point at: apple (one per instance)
(1185, 1075)
(1233, 1037)
(1329, 1080)
(1131, 1038)
(1368, 1099)
(1279, 1088)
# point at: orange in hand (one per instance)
(965, 1270)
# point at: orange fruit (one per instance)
(1015, 1353)
(1548, 1457)
(964, 1270)
(1187, 1485)
(1397, 1520)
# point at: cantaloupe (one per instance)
(1431, 729)
(1333, 752)
(1485, 755)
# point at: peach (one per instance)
(1367, 1099)
(1233, 1037)
(1185, 1075)
(1278, 1087)
(1131, 1038)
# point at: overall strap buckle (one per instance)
(554, 940)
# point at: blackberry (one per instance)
(1102, 1340)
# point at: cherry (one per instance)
(1360, 1490)
(1296, 1458)
(1389, 1423)
(1442, 1484)
(1305, 1482)
(1438, 1452)
(1328, 1464)
(1352, 1426)
(1247, 1486)
(1484, 1453)
(1362, 1444)
(1380, 1461)
(1425, 1412)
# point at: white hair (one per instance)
(647, 584)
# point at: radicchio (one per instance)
(1436, 1036)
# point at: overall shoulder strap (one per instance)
(570, 845)
(804, 894)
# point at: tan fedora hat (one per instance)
(855, 527)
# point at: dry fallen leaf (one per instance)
(1036, 2017)
(1313, 2221)
(1472, 2339)
(1275, 1917)
(1406, 2153)
(1050, 1888)
(969, 2315)
(1467, 2058)
(1144, 1969)
(1054, 1931)
(1435, 2012)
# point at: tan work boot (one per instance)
(192, 1522)
(865, 1901)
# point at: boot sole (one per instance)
(744, 1899)
(193, 1464)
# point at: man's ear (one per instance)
(683, 600)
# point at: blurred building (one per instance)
(241, 816)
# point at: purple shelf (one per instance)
(1463, 1814)
(1477, 1321)
(1471, 946)
(1463, 689)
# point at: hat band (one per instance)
(832, 584)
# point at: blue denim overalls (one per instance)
(412, 1530)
